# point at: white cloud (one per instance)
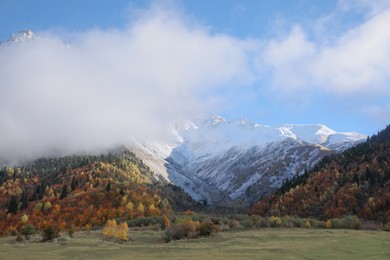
(358, 62)
(110, 85)
(369, 7)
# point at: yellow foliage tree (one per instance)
(167, 221)
(24, 219)
(121, 232)
(129, 206)
(328, 224)
(141, 208)
(110, 229)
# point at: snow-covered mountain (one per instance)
(19, 37)
(221, 160)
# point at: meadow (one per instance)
(267, 243)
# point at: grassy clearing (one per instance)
(235, 244)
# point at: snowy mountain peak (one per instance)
(20, 37)
(214, 120)
(221, 160)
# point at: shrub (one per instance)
(28, 231)
(321, 224)
(255, 219)
(262, 223)
(314, 223)
(350, 222)
(19, 237)
(287, 222)
(189, 229)
(13, 231)
(51, 232)
(298, 222)
(146, 221)
(328, 224)
(386, 227)
(176, 232)
(71, 231)
(248, 223)
(336, 223)
(166, 222)
(233, 223)
(307, 224)
(274, 221)
(219, 220)
(206, 228)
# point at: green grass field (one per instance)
(235, 244)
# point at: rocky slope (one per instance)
(221, 161)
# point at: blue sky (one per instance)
(271, 62)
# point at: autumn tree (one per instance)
(64, 192)
(121, 232)
(110, 229)
(13, 205)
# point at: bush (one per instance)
(19, 237)
(328, 224)
(200, 218)
(28, 231)
(13, 231)
(256, 219)
(274, 221)
(321, 224)
(262, 223)
(176, 232)
(71, 231)
(189, 230)
(307, 224)
(248, 223)
(386, 227)
(298, 222)
(51, 232)
(287, 222)
(314, 223)
(233, 223)
(206, 228)
(146, 221)
(218, 220)
(350, 222)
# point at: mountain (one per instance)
(20, 37)
(223, 161)
(85, 190)
(354, 182)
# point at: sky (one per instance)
(101, 70)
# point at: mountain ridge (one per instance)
(201, 157)
(356, 181)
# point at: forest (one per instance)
(84, 192)
(354, 182)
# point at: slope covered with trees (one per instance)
(84, 191)
(355, 182)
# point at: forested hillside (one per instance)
(355, 182)
(84, 191)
